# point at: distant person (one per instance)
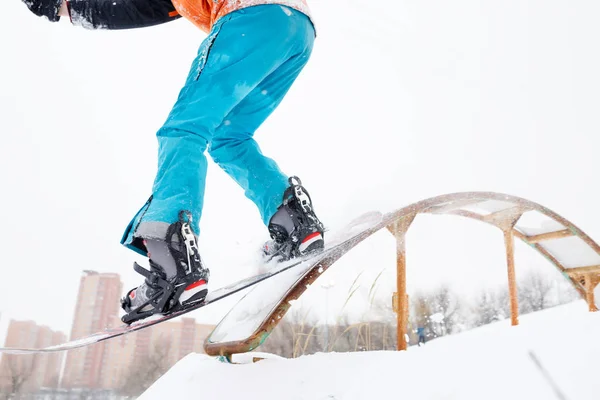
(254, 51)
(421, 335)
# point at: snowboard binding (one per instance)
(161, 294)
(295, 229)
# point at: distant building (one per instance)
(107, 365)
(163, 344)
(28, 373)
(96, 309)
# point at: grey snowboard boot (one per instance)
(295, 229)
(177, 277)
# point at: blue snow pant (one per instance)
(243, 70)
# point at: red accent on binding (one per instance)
(132, 294)
(146, 246)
(196, 284)
(311, 236)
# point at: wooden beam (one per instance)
(549, 236)
(507, 218)
(509, 241)
(591, 281)
(583, 270)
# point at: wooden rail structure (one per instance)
(555, 238)
(563, 244)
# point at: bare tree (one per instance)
(294, 336)
(491, 306)
(448, 304)
(16, 373)
(535, 292)
(297, 335)
(439, 312)
(147, 368)
(566, 292)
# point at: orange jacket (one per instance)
(204, 13)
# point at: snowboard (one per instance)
(350, 232)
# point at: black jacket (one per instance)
(121, 14)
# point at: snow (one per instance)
(354, 227)
(535, 223)
(80, 20)
(438, 317)
(551, 355)
(572, 251)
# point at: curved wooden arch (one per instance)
(505, 212)
(507, 221)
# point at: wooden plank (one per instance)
(549, 236)
(583, 270)
(512, 282)
(506, 218)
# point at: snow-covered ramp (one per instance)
(493, 362)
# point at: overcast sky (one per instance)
(400, 102)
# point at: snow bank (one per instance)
(493, 362)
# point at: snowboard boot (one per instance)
(177, 277)
(295, 229)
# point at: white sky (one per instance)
(400, 102)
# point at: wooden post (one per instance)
(591, 281)
(406, 314)
(401, 290)
(509, 241)
(399, 229)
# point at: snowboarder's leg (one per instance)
(243, 49)
(233, 146)
(234, 149)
